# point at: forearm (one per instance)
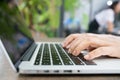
(110, 27)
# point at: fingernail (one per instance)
(74, 52)
(68, 47)
(87, 57)
(69, 51)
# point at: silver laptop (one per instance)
(28, 57)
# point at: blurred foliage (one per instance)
(70, 5)
(43, 15)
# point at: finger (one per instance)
(68, 40)
(74, 44)
(96, 53)
(82, 46)
(91, 48)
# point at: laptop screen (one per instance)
(14, 33)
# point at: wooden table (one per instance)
(6, 72)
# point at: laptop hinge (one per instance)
(29, 52)
(27, 55)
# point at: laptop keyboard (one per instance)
(54, 54)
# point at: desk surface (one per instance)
(6, 72)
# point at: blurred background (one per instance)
(60, 18)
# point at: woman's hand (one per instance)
(98, 45)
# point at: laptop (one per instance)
(29, 57)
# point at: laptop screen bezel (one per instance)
(16, 64)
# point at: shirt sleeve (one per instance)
(110, 16)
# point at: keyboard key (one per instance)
(63, 55)
(37, 61)
(75, 60)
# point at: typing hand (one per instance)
(98, 45)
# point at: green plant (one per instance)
(44, 15)
(70, 5)
(41, 13)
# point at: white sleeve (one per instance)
(110, 16)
